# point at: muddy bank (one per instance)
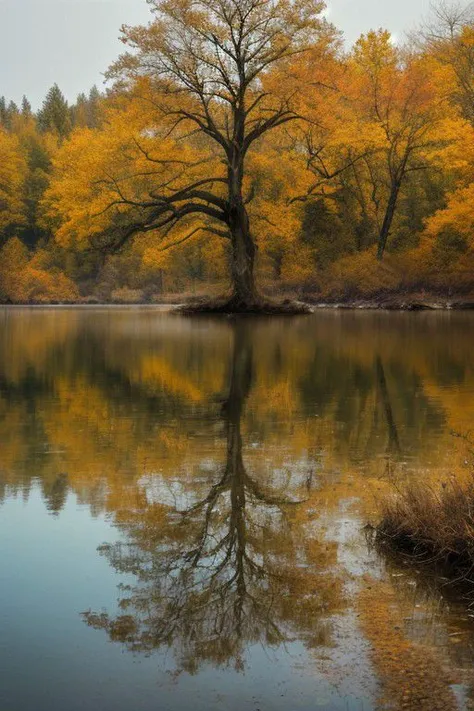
(305, 304)
(395, 303)
(231, 307)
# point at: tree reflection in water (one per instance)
(235, 568)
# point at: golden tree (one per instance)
(449, 38)
(12, 175)
(201, 69)
(397, 97)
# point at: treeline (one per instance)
(32, 266)
(370, 193)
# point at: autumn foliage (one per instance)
(330, 171)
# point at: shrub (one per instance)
(125, 295)
(361, 275)
(433, 526)
(24, 282)
(41, 287)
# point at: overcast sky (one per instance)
(72, 42)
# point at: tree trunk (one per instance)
(243, 246)
(388, 219)
(242, 260)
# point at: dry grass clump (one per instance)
(432, 526)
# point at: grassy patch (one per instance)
(432, 526)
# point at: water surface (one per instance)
(182, 503)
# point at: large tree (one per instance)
(397, 97)
(448, 36)
(12, 176)
(210, 63)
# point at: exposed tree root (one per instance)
(236, 306)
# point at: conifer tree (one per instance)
(26, 107)
(4, 117)
(54, 115)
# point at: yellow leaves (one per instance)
(72, 198)
(13, 262)
(458, 215)
(375, 51)
(12, 176)
(453, 58)
(103, 175)
(456, 150)
(393, 88)
(154, 258)
(362, 275)
(23, 281)
(372, 114)
(45, 287)
(202, 257)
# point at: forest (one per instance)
(244, 147)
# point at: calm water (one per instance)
(181, 503)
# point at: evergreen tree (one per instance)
(85, 112)
(7, 113)
(79, 112)
(26, 107)
(93, 118)
(54, 114)
(3, 112)
(39, 168)
(13, 109)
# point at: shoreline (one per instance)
(316, 305)
(395, 305)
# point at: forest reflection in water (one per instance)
(223, 452)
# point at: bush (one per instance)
(127, 296)
(361, 275)
(41, 287)
(23, 282)
(433, 526)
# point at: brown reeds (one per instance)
(432, 526)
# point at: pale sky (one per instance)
(71, 42)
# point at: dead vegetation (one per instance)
(432, 526)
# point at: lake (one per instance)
(183, 502)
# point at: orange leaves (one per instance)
(12, 176)
(375, 52)
(458, 215)
(393, 88)
(24, 281)
(105, 175)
